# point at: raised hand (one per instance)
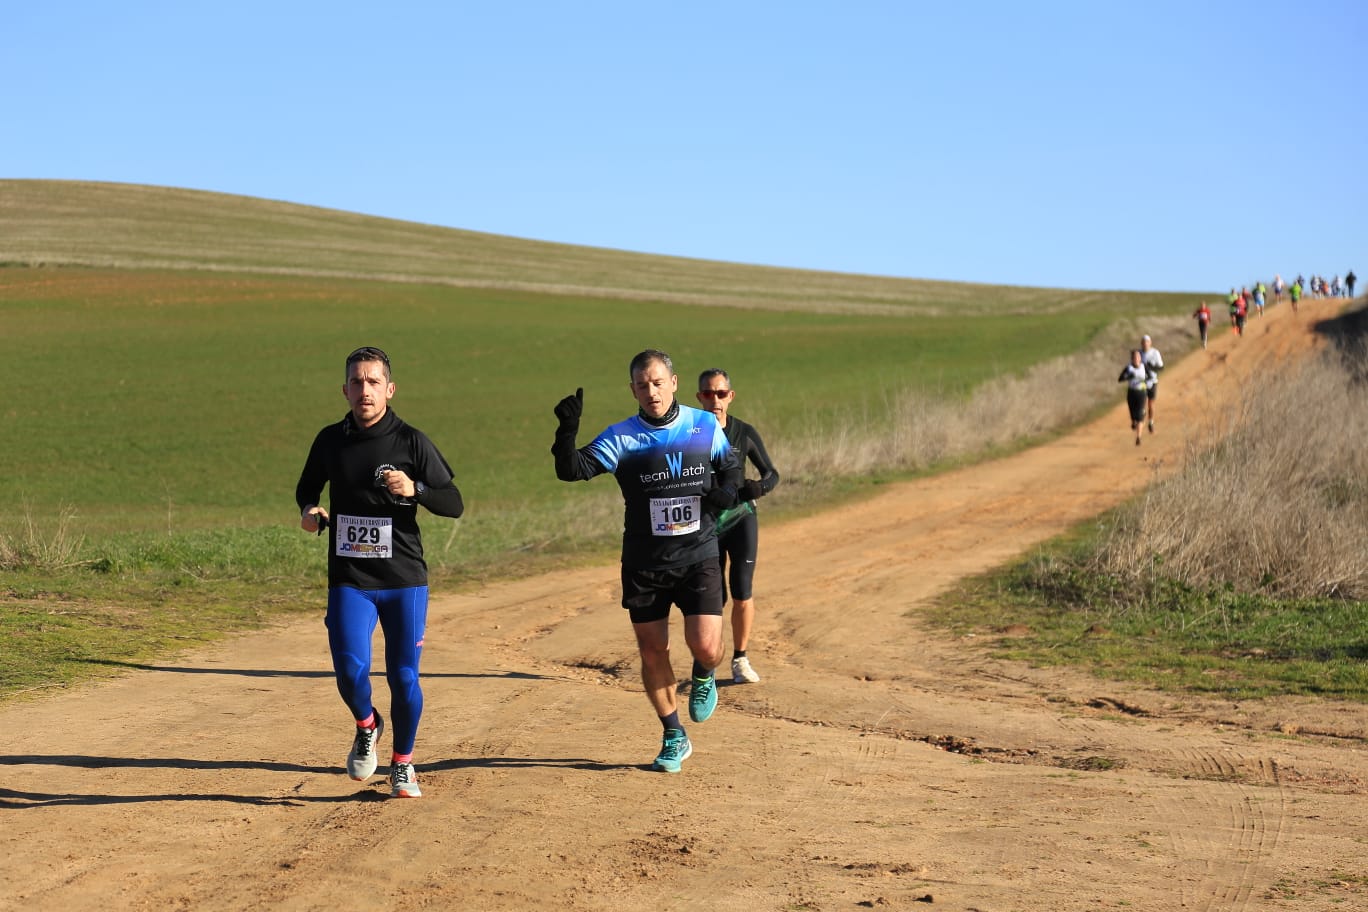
(569, 409)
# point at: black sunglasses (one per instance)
(367, 353)
(714, 394)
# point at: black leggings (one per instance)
(741, 543)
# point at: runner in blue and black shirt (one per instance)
(676, 471)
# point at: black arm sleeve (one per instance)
(444, 500)
(574, 464)
(311, 481)
(442, 497)
(755, 451)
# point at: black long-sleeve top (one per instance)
(373, 537)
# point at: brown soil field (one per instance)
(879, 764)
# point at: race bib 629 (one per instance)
(365, 536)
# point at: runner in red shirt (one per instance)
(1203, 316)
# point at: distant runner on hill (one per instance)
(1155, 363)
(1138, 378)
(1203, 317)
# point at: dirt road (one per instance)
(878, 765)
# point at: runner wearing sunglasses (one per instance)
(741, 542)
(378, 470)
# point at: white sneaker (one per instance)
(361, 762)
(404, 781)
(742, 673)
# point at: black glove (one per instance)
(569, 409)
(751, 489)
(720, 497)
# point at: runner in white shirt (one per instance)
(1138, 378)
(1154, 362)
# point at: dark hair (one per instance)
(368, 353)
(713, 372)
(644, 359)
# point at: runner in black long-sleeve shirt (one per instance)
(741, 542)
(377, 469)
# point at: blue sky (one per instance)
(1169, 145)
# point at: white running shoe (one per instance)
(742, 673)
(361, 762)
(404, 781)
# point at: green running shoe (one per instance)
(674, 750)
(703, 698)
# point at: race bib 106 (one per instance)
(365, 536)
(675, 515)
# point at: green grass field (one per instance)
(175, 399)
(187, 401)
(177, 351)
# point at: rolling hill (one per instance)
(79, 223)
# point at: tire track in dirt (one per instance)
(1229, 828)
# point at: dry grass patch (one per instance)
(1280, 505)
(926, 429)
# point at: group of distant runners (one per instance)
(1241, 303)
(688, 511)
(1141, 372)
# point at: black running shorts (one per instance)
(1135, 398)
(696, 589)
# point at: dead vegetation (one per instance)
(1278, 505)
(926, 429)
